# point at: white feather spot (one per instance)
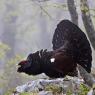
(52, 60)
(39, 55)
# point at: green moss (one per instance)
(24, 93)
(83, 89)
(84, 9)
(9, 92)
(54, 88)
(69, 92)
(29, 93)
(3, 50)
(57, 90)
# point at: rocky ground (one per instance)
(60, 86)
(84, 84)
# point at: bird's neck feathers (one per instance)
(44, 59)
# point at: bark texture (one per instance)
(73, 12)
(87, 21)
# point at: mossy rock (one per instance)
(69, 92)
(83, 89)
(29, 93)
(53, 88)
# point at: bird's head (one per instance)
(31, 65)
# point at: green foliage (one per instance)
(15, 60)
(29, 93)
(69, 92)
(54, 88)
(10, 72)
(83, 89)
(3, 49)
(57, 5)
(9, 92)
(11, 65)
(24, 93)
(84, 9)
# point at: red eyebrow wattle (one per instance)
(23, 62)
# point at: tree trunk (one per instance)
(73, 12)
(87, 21)
(88, 78)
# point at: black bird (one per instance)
(70, 47)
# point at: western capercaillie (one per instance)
(70, 47)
